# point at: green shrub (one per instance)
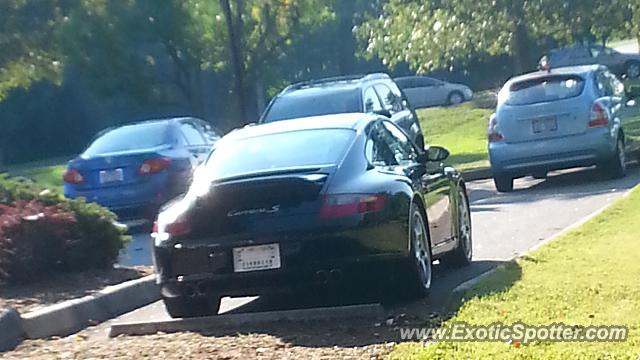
(40, 229)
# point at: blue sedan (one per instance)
(135, 168)
(558, 119)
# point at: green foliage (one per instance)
(29, 50)
(436, 34)
(78, 235)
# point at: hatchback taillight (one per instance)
(493, 134)
(343, 205)
(72, 176)
(599, 117)
(154, 166)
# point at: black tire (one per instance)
(503, 183)
(187, 307)
(632, 69)
(463, 253)
(455, 98)
(616, 168)
(420, 142)
(417, 275)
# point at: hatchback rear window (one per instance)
(545, 89)
(281, 151)
(129, 138)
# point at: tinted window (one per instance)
(405, 83)
(128, 138)
(544, 89)
(426, 82)
(389, 146)
(390, 100)
(293, 107)
(306, 148)
(191, 134)
(371, 101)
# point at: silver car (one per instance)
(558, 119)
(617, 62)
(423, 91)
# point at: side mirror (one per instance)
(436, 154)
(383, 112)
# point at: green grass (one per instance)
(588, 276)
(461, 129)
(48, 176)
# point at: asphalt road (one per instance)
(505, 225)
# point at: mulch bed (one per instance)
(60, 287)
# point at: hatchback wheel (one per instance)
(618, 166)
(463, 253)
(503, 183)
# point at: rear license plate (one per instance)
(255, 258)
(108, 176)
(544, 124)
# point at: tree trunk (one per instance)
(520, 51)
(237, 61)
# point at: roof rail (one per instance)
(333, 79)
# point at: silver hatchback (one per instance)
(557, 119)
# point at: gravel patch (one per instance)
(284, 340)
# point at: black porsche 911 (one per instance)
(307, 203)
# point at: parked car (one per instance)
(619, 63)
(338, 199)
(135, 168)
(423, 91)
(558, 119)
(374, 93)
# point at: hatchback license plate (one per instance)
(255, 258)
(544, 124)
(108, 176)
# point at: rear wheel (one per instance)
(617, 167)
(463, 253)
(503, 183)
(632, 69)
(455, 98)
(418, 276)
(186, 307)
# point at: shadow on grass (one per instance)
(466, 158)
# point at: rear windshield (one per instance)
(545, 89)
(282, 151)
(129, 138)
(293, 107)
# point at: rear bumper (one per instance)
(340, 257)
(526, 158)
(129, 197)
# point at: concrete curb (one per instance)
(204, 323)
(74, 315)
(11, 332)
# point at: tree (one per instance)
(260, 33)
(436, 34)
(151, 52)
(27, 38)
